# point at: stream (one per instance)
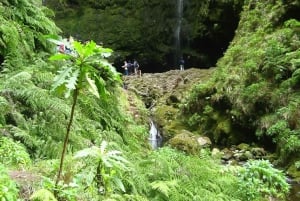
(155, 139)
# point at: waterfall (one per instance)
(155, 138)
(179, 13)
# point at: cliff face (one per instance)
(254, 93)
(155, 32)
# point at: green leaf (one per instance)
(72, 81)
(59, 56)
(92, 152)
(62, 77)
(79, 48)
(118, 182)
(100, 83)
(90, 49)
(92, 87)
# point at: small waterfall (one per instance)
(155, 138)
(179, 13)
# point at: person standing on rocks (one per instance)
(136, 67)
(181, 63)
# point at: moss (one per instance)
(223, 128)
(164, 114)
(186, 142)
(243, 146)
(294, 172)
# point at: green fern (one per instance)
(165, 187)
(13, 154)
(109, 166)
(23, 24)
(8, 188)
(42, 195)
(259, 178)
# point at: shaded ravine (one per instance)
(166, 90)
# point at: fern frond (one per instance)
(165, 187)
(24, 137)
(4, 105)
(42, 195)
(23, 81)
(92, 151)
(22, 24)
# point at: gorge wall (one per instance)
(156, 33)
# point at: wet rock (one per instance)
(233, 162)
(245, 156)
(258, 152)
(227, 155)
(204, 141)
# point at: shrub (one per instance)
(258, 178)
(8, 188)
(13, 153)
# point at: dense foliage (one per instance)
(8, 188)
(108, 153)
(23, 25)
(254, 93)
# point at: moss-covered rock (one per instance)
(185, 141)
(164, 93)
(294, 172)
(243, 146)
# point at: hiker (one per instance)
(125, 66)
(61, 48)
(135, 66)
(68, 47)
(130, 67)
(181, 64)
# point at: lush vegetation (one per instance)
(254, 94)
(105, 152)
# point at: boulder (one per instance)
(204, 141)
(258, 152)
(227, 154)
(185, 141)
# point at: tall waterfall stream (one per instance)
(179, 13)
(155, 138)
